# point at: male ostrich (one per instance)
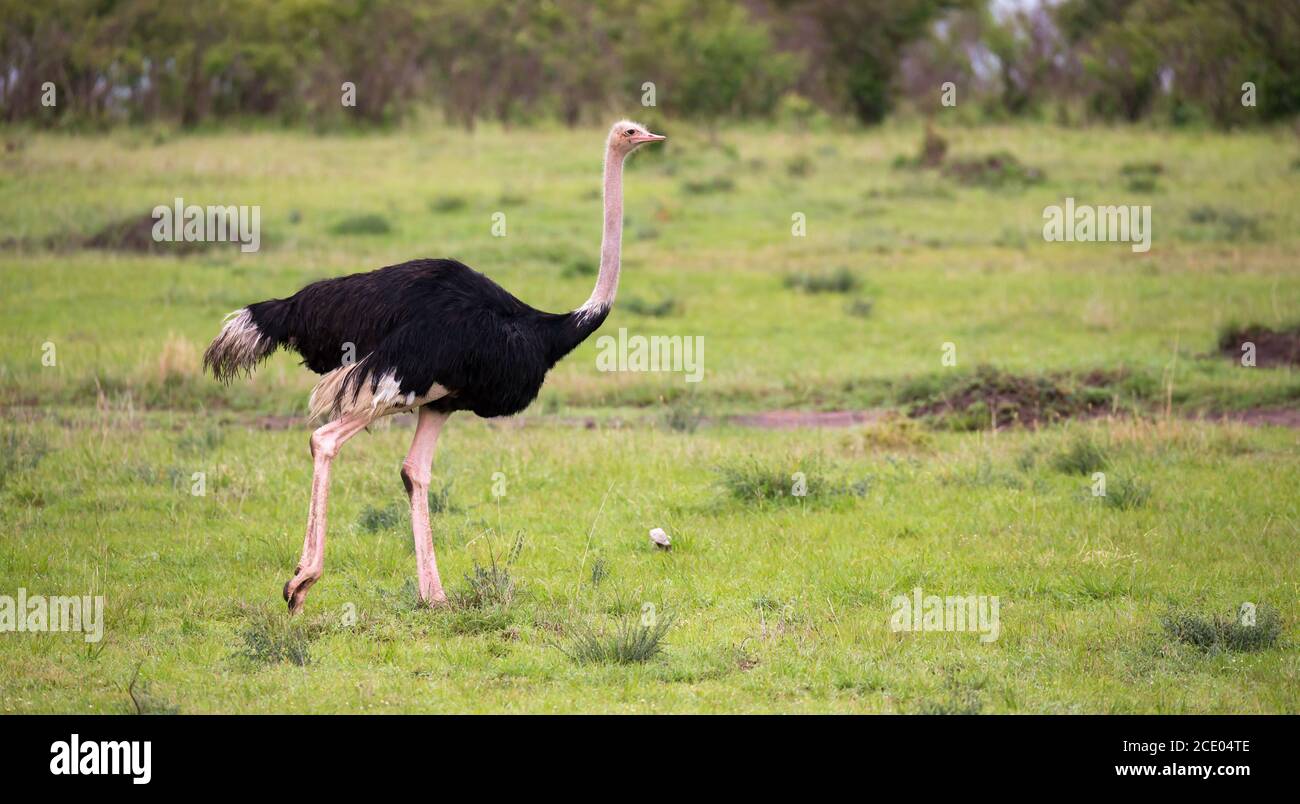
(429, 334)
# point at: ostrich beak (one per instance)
(637, 140)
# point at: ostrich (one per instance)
(429, 334)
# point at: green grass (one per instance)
(779, 602)
(192, 583)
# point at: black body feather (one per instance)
(427, 321)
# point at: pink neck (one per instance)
(611, 240)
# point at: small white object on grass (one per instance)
(661, 539)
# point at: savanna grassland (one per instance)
(1072, 359)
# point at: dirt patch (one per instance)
(274, 422)
(279, 421)
(1262, 417)
(993, 398)
(1272, 347)
(794, 419)
(135, 235)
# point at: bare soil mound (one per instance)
(135, 234)
(991, 397)
(1272, 347)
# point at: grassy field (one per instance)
(767, 601)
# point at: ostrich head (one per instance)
(626, 136)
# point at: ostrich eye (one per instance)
(630, 132)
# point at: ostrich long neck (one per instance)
(573, 328)
(611, 239)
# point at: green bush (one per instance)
(362, 225)
(1219, 632)
(1126, 493)
(631, 641)
(841, 280)
(1081, 457)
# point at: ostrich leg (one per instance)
(325, 444)
(415, 475)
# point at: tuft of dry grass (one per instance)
(891, 434)
(178, 359)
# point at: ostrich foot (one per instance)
(434, 599)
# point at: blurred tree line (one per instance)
(193, 61)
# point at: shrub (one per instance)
(751, 480)
(1218, 632)
(859, 308)
(492, 585)
(440, 499)
(448, 203)
(599, 571)
(486, 587)
(661, 309)
(205, 440)
(994, 171)
(1141, 184)
(893, 433)
(631, 641)
(372, 224)
(580, 266)
(1140, 177)
(799, 166)
(841, 280)
(681, 417)
(1227, 224)
(1141, 169)
(19, 453)
(373, 520)
(275, 637)
(1126, 494)
(1081, 457)
(717, 184)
